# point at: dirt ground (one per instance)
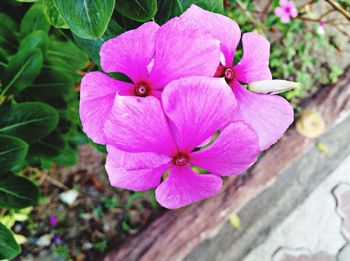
(101, 217)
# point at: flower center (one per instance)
(142, 89)
(287, 9)
(229, 74)
(181, 159)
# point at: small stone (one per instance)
(69, 196)
(44, 240)
(87, 245)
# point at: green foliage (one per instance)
(168, 9)
(39, 122)
(138, 10)
(52, 14)
(21, 71)
(17, 192)
(86, 18)
(34, 20)
(29, 121)
(13, 151)
(9, 247)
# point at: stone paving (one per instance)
(318, 229)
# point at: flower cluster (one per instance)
(185, 108)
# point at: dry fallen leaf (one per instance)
(310, 124)
(322, 147)
(235, 221)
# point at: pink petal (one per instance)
(279, 11)
(139, 125)
(135, 171)
(219, 26)
(254, 65)
(283, 3)
(294, 12)
(233, 152)
(197, 107)
(290, 5)
(269, 115)
(97, 92)
(183, 187)
(285, 18)
(130, 52)
(182, 51)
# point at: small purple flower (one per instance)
(286, 10)
(320, 28)
(53, 220)
(56, 240)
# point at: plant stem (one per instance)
(339, 8)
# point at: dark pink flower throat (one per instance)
(142, 89)
(227, 72)
(181, 159)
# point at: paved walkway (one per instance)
(318, 229)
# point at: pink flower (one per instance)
(269, 115)
(151, 57)
(155, 136)
(286, 10)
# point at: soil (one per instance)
(101, 217)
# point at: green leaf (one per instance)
(92, 47)
(12, 152)
(168, 9)
(138, 10)
(68, 55)
(17, 192)
(86, 18)
(52, 15)
(29, 121)
(23, 68)
(48, 85)
(68, 157)
(8, 29)
(37, 39)
(34, 20)
(49, 147)
(8, 246)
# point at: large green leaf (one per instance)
(36, 39)
(168, 9)
(68, 157)
(34, 20)
(29, 121)
(52, 14)
(12, 152)
(68, 55)
(17, 192)
(49, 84)
(86, 18)
(138, 10)
(8, 29)
(23, 68)
(92, 47)
(49, 147)
(8, 245)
